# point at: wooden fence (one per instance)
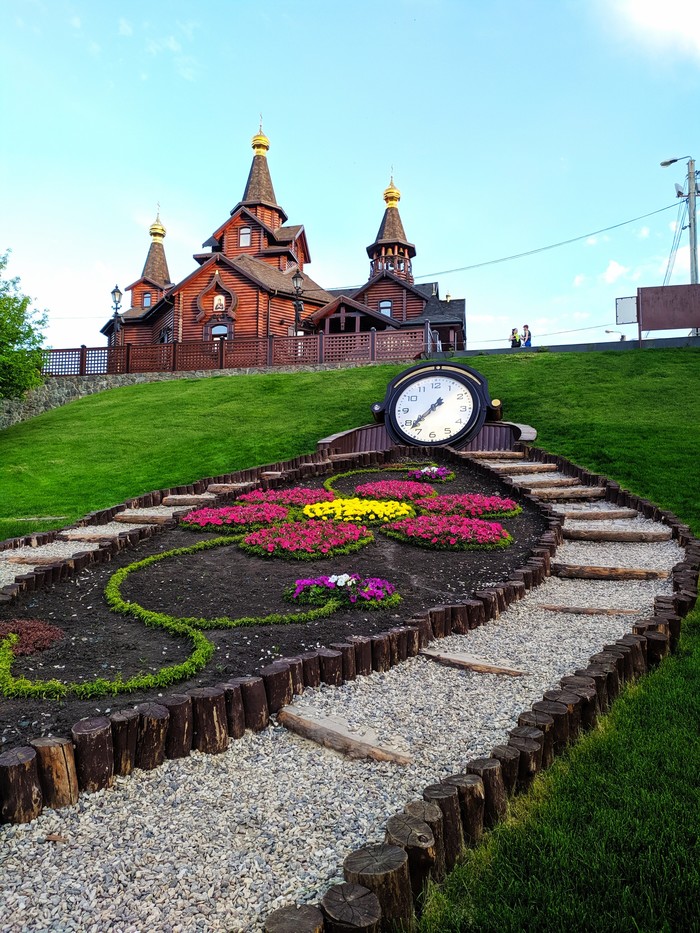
(243, 353)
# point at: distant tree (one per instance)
(21, 338)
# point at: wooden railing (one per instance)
(240, 353)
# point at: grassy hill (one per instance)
(608, 839)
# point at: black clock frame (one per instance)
(473, 381)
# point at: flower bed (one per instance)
(307, 540)
(359, 510)
(469, 505)
(431, 474)
(32, 635)
(449, 532)
(349, 588)
(235, 519)
(299, 496)
(401, 490)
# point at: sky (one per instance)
(508, 125)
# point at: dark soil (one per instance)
(226, 582)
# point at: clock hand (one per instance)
(428, 412)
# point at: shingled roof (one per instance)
(156, 267)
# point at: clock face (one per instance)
(433, 409)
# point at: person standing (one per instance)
(527, 336)
(514, 338)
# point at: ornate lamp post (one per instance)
(116, 305)
(297, 282)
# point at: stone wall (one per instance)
(59, 390)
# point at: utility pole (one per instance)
(692, 224)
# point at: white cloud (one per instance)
(614, 272)
(672, 25)
(644, 233)
(125, 28)
(75, 22)
(579, 280)
(592, 240)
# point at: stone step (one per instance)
(205, 498)
(589, 611)
(546, 482)
(219, 489)
(92, 533)
(616, 534)
(492, 454)
(590, 572)
(575, 492)
(155, 516)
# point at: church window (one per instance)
(244, 236)
(165, 335)
(219, 332)
(147, 299)
(385, 307)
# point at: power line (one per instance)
(542, 249)
(682, 208)
(554, 333)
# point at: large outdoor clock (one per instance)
(436, 405)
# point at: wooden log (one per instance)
(628, 661)
(475, 612)
(552, 493)
(599, 676)
(412, 641)
(312, 668)
(381, 653)
(209, 722)
(545, 723)
(446, 796)
(279, 689)
(332, 732)
(94, 753)
(460, 619)
(490, 603)
(125, 730)
(296, 669)
(587, 610)
(657, 648)
(363, 654)
(431, 814)
(470, 788)
(573, 704)
(470, 662)
(331, 663)
(614, 657)
(530, 759)
(560, 714)
(56, 768)
(178, 738)
(384, 870)
(351, 908)
(510, 764)
(637, 644)
(589, 572)
(256, 713)
(616, 534)
(495, 797)
(347, 651)
(601, 515)
(393, 640)
(20, 788)
(402, 642)
(437, 621)
(302, 918)
(415, 837)
(152, 732)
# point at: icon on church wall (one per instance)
(219, 304)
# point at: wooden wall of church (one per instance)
(405, 304)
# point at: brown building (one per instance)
(252, 282)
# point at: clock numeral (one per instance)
(436, 384)
(412, 398)
(461, 395)
(432, 434)
(462, 407)
(405, 411)
(408, 422)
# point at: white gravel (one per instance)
(60, 550)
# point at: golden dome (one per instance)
(392, 195)
(157, 230)
(260, 142)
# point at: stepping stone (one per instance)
(218, 489)
(596, 515)
(336, 733)
(524, 468)
(590, 611)
(574, 492)
(589, 572)
(205, 498)
(148, 516)
(616, 534)
(492, 454)
(93, 533)
(471, 663)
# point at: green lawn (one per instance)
(608, 839)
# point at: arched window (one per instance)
(385, 307)
(244, 235)
(220, 332)
(147, 299)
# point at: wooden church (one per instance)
(252, 282)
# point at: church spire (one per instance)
(258, 189)
(156, 267)
(391, 251)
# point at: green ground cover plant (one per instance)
(608, 839)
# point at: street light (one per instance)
(622, 336)
(297, 282)
(116, 305)
(692, 232)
